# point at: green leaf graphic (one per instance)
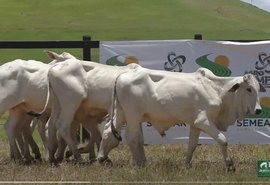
(264, 114)
(114, 62)
(215, 68)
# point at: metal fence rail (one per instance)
(86, 44)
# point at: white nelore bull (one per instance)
(206, 102)
(24, 90)
(78, 89)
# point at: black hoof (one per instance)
(38, 158)
(231, 168)
(105, 161)
(59, 159)
(68, 154)
(54, 163)
(27, 161)
(92, 160)
(19, 161)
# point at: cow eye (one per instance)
(249, 89)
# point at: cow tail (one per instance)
(113, 112)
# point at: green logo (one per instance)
(219, 67)
(263, 167)
(264, 114)
(119, 60)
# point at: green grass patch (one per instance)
(126, 20)
(165, 164)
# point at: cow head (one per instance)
(246, 96)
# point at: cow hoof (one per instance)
(38, 158)
(105, 161)
(19, 161)
(92, 160)
(27, 161)
(59, 159)
(231, 168)
(54, 163)
(68, 154)
(108, 163)
(79, 161)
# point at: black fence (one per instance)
(86, 44)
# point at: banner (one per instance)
(221, 57)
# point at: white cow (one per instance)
(24, 90)
(78, 89)
(207, 102)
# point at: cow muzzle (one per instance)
(258, 111)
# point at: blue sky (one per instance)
(263, 4)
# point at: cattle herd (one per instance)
(60, 96)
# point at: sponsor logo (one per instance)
(174, 63)
(262, 69)
(263, 168)
(219, 67)
(121, 61)
(262, 73)
(253, 122)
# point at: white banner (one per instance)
(222, 58)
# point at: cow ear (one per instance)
(262, 89)
(52, 55)
(235, 87)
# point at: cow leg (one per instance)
(27, 133)
(62, 145)
(95, 138)
(52, 139)
(61, 149)
(194, 134)
(64, 126)
(135, 142)
(208, 127)
(20, 141)
(109, 141)
(26, 151)
(42, 130)
(74, 135)
(15, 116)
(23, 144)
(28, 140)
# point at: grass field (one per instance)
(126, 20)
(165, 164)
(133, 20)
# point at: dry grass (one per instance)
(165, 164)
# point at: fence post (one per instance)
(86, 48)
(198, 36)
(87, 57)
